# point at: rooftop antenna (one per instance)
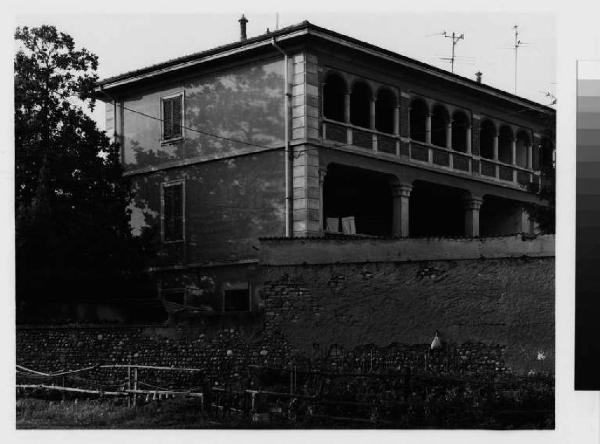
(455, 39)
(517, 45)
(276, 21)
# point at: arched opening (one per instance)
(523, 143)
(546, 154)
(359, 198)
(460, 126)
(418, 120)
(334, 96)
(385, 110)
(486, 137)
(505, 138)
(360, 105)
(436, 210)
(439, 126)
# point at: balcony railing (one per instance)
(364, 139)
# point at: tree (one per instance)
(545, 215)
(73, 239)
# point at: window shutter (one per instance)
(177, 116)
(167, 119)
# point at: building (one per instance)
(304, 132)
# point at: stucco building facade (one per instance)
(304, 132)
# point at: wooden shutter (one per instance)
(177, 116)
(167, 119)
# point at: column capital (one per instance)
(401, 190)
(322, 174)
(472, 203)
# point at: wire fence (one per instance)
(290, 397)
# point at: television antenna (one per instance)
(517, 45)
(455, 39)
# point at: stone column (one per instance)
(347, 108)
(496, 147)
(449, 135)
(397, 120)
(400, 209)
(347, 118)
(469, 139)
(476, 135)
(514, 150)
(372, 113)
(428, 128)
(472, 205)
(322, 174)
(529, 156)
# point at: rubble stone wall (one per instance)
(492, 315)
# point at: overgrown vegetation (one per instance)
(73, 239)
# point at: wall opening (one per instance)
(546, 155)
(436, 210)
(499, 217)
(523, 143)
(354, 196)
(334, 97)
(460, 125)
(439, 126)
(418, 120)
(505, 138)
(487, 135)
(385, 110)
(360, 105)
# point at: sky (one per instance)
(124, 42)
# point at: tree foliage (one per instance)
(73, 238)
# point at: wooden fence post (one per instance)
(135, 385)
(129, 386)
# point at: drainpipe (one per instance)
(287, 153)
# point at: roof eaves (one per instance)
(415, 64)
(203, 57)
(307, 28)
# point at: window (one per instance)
(236, 298)
(173, 212)
(172, 116)
(175, 295)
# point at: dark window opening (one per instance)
(354, 197)
(418, 120)
(176, 295)
(173, 212)
(385, 111)
(360, 105)
(334, 97)
(546, 155)
(487, 136)
(172, 117)
(436, 210)
(522, 149)
(505, 138)
(439, 126)
(460, 125)
(236, 299)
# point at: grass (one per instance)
(33, 413)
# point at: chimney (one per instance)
(478, 75)
(243, 22)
